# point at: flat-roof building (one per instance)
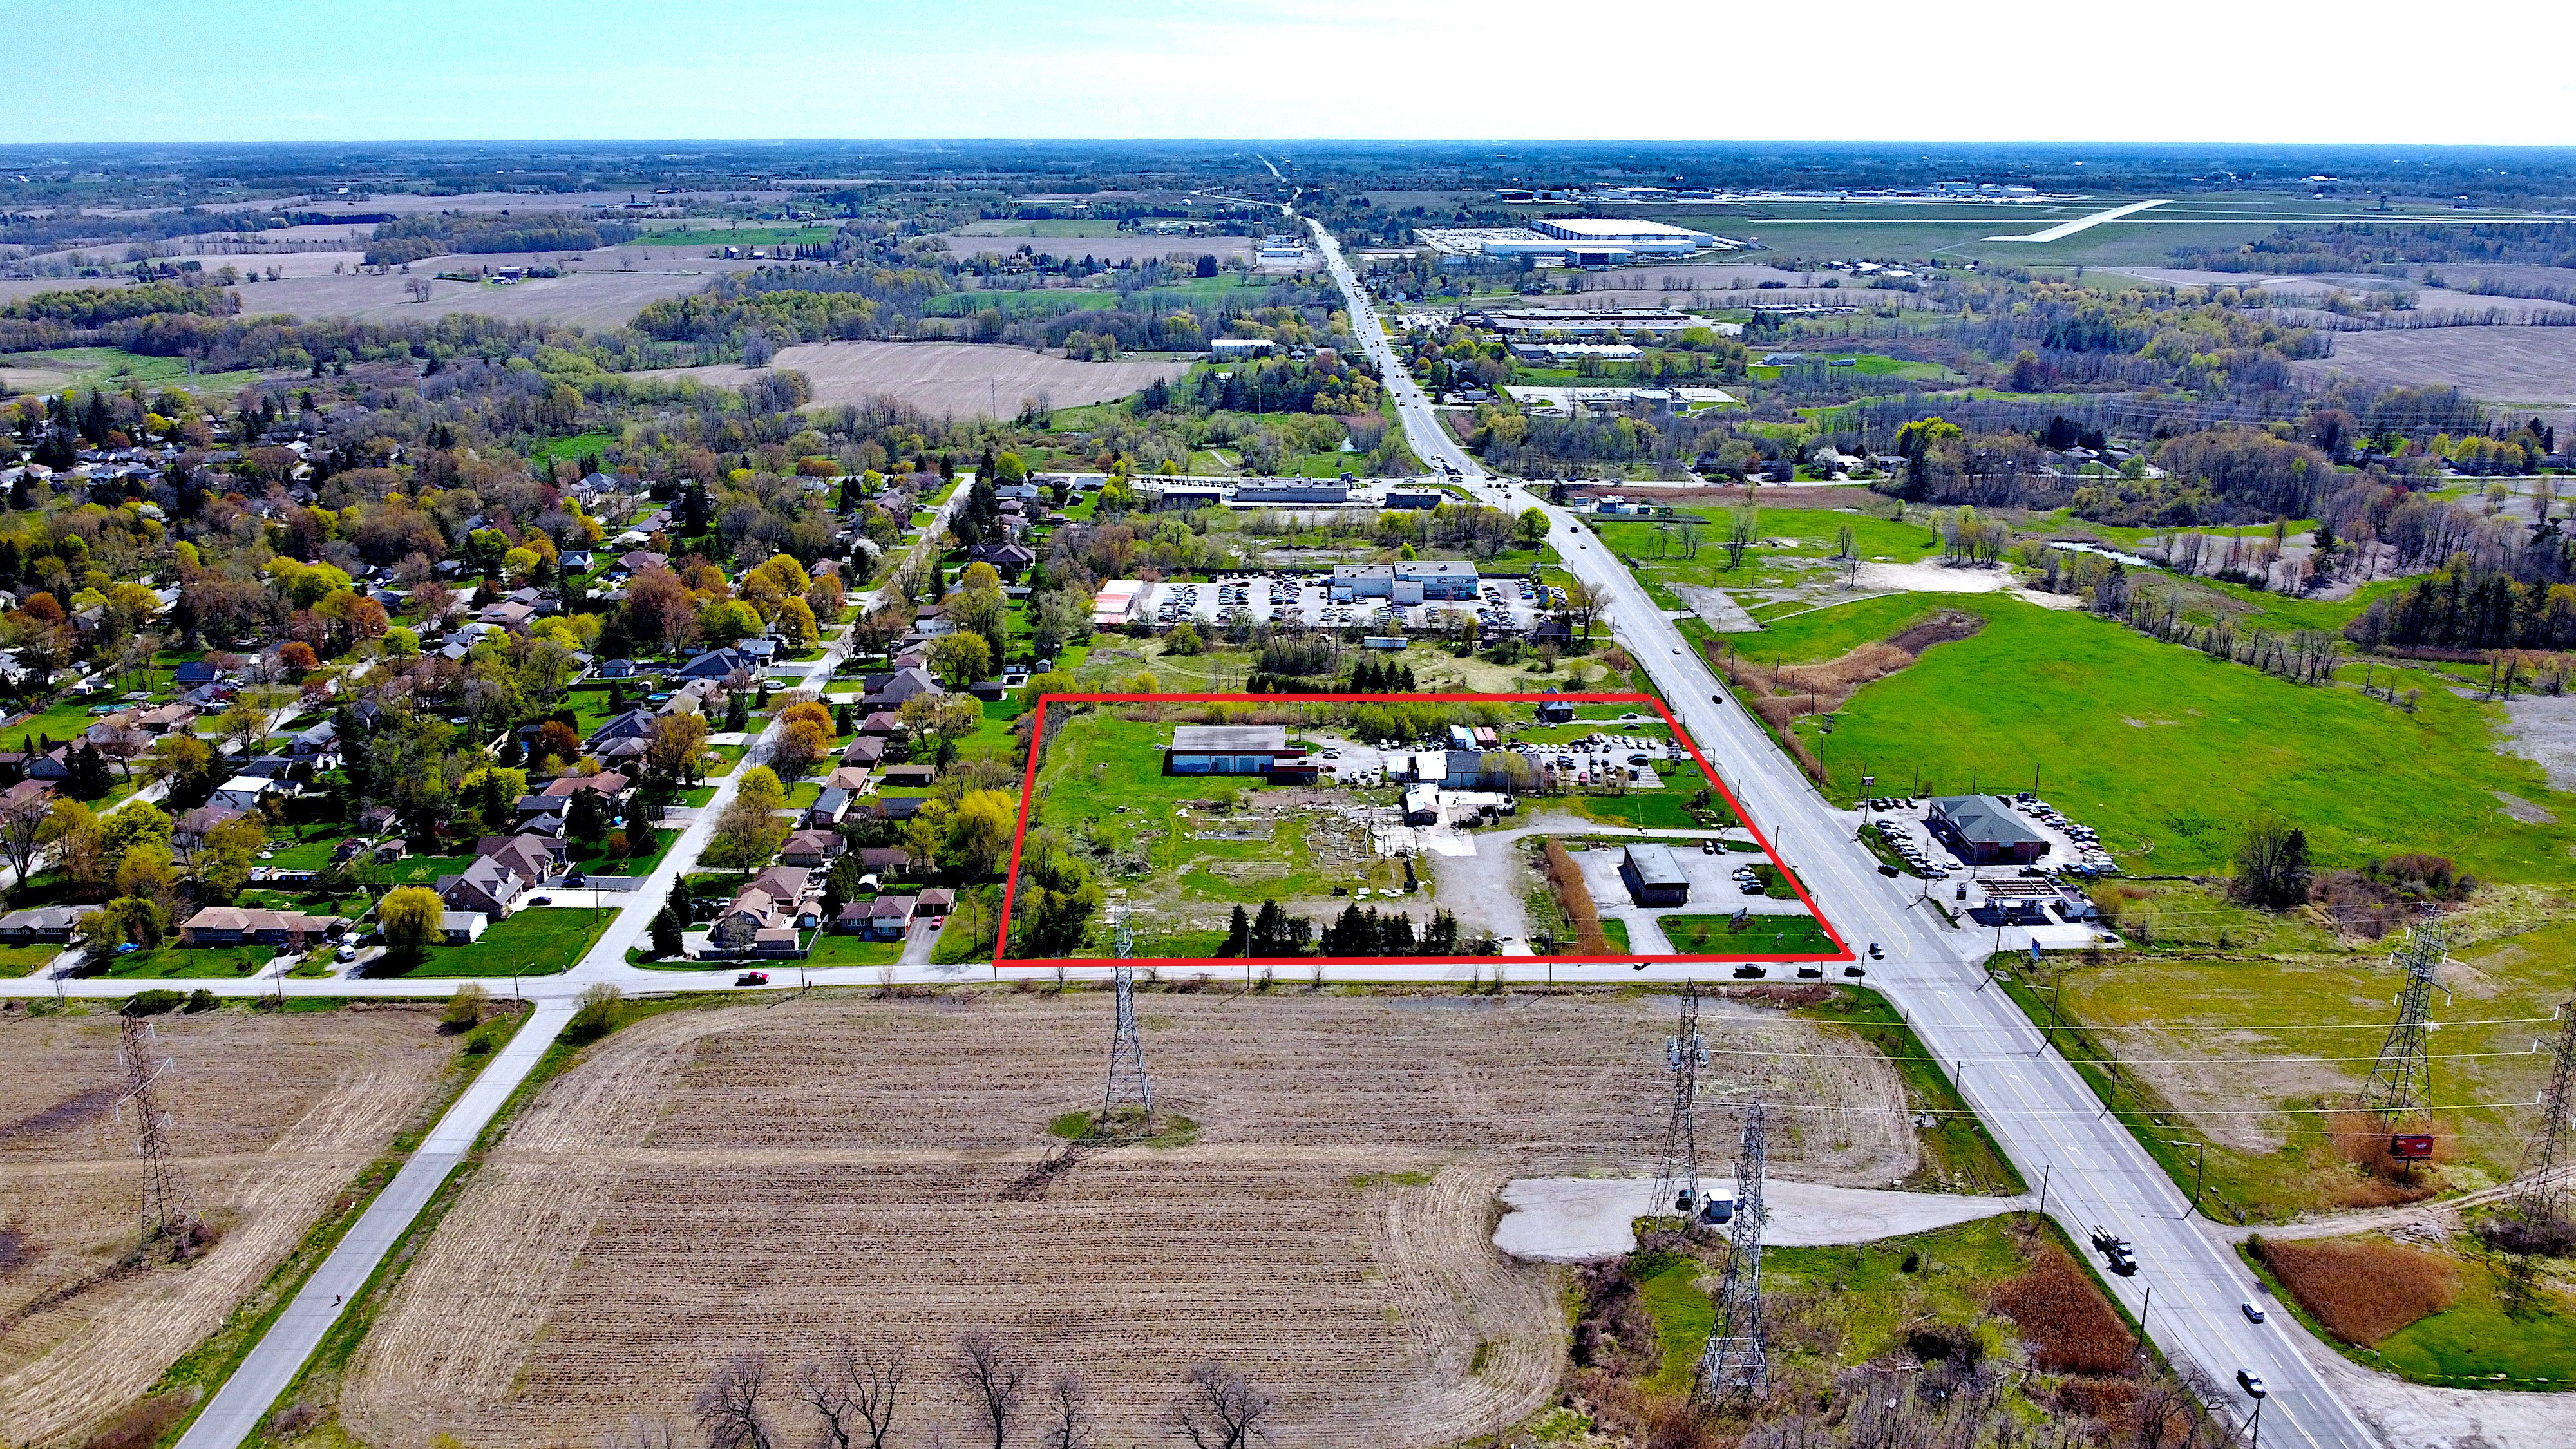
(1235, 750)
(1653, 876)
(1984, 830)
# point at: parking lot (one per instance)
(2073, 850)
(1502, 606)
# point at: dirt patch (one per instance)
(272, 1117)
(2523, 810)
(2496, 364)
(771, 1178)
(2541, 728)
(953, 379)
(1784, 692)
(2361, 1289)
(77, 1110)
(602, 293)
(1105, 248)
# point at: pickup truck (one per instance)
(2115, 1251)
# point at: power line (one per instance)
(2548, 1165)
(1129, 1085)
(168, 1213)
(1677, 1171)
(2401, 1082)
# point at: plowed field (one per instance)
(272, 1117)
(769, 1179)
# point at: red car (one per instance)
(752, 978)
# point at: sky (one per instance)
(1984, 70)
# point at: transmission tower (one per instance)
(1677, 1178)
(2401, 1083)
(1734, 1362)
(168, 1213)
(2549, 1162)
(1128, 1083)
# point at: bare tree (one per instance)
(643, 1433)
(728, 1408)
(1068, 1422)
(1221, 1409)
(990, 1379)
(1741, 522)
(1582, 606)
(853, 1392)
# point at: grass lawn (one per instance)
(603, 864)
(537, 941)
(424, 870)
(1869, 1295)
(221, 961)
(1654, 809)
(113, 367)
(1617, 931)
(839, 950)
(1761, 936)
(23, 960)
(2129, 734)
(2474, 1343)
(1803, 634)
(725, 755)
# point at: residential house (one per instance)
(488, 886)
(48, 924)
(716, 664)
(765, 916)
(829, 807)
(882, 861)
(617, 669)
(462, 928)
(197, 824)
(889, 691)
(889, 917)
(246, 926)
(245, 792)
(811, 848)
(939, 903)
(909, 777)
(640, 559)
(868, 750)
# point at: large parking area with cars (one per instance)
(1501, 606)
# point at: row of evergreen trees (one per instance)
(1355, 932)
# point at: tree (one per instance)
(135, 920)
(1238, 935)
(1184, 640)
(1582, 606)
(2272, 864)
(221, 863)
(1221, 1409)
(1531, 528)
(22, 829)
(557, 743)
(676, 747)
(960, 659)
(992, 1382)
(666, 931)
(800, 743)
(1068, 1414)
(854, 1393)
(728, 1409)
(409, 917)
(79, 845)
(183, 763)
(981, 829)
(1742, 521)
(586, 818)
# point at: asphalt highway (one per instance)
(2042, 1114)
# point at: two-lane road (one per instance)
(2037, 1107)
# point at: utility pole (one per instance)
(168, 1214)
(1129, 1085)
(2549, 1160)
(1735, 1363)
(2401, 1083)
(2199, 1166)
(1677, 1173)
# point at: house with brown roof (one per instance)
(771, 904)
(865, 752)
(811, 848)
(889, 917)
(246, 926)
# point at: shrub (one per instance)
(202, 1000)
(2063, 1317)
(465, 1009)
(153, 1002)
(602, 1007)
(143, 1422)
(1575, 899)
(2361, 1289)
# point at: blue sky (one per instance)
(2261, 70)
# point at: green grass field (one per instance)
(87, 367)
(840, 950)
(703, 235)
(26, 960)
(2291, 1030)
(2127, 734)
(1784, 534)
(2474, 1343)
(230, 962)
(537, 941)
(1761, 936)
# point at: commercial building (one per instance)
(1235, 750)
(1408, 582)
(1983, 830)
(1653, 876)
(1116, 603)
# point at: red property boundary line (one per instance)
(1028, 799)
